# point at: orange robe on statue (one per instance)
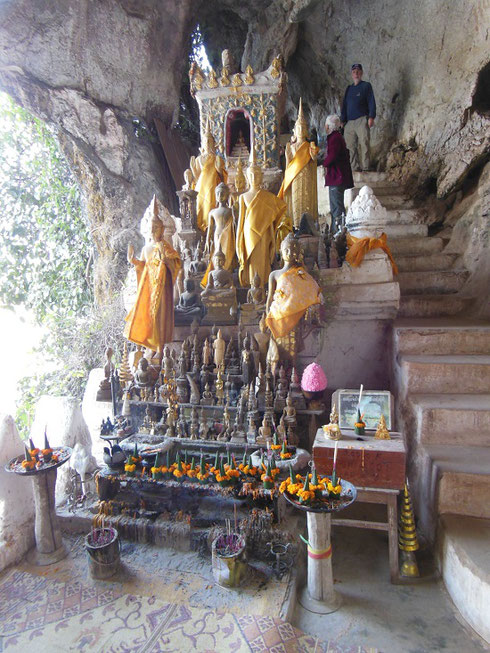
(256, 232)
(151, 320)
(206, 184)
(295, 292)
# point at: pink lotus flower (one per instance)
(313, 379)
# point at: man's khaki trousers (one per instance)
(356, 134)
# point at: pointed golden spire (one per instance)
(301, 120)
(253, 158)
(407, 538)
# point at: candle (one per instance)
(335, 454)
(360, 396)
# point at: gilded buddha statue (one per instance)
(208, 170)
(260, 214)
(151, 320)
(299, 188)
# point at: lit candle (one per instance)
(335, 454)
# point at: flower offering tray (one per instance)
(347, 496)
(62, 454)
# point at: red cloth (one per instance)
(337, 162)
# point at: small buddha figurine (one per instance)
(188, 180)
(219, 385)
(265, 431)
(289, 413)
(252, 429)
(203, 426)
(281, 429)
(134, 358)
(256, 294)
(143, 376)
(104, 392)
(194, 430)
(207, 396)
(219, 346)
(248, 364)
(240, 148)
(190, 306)
(332, 430)
(207, 354)
(262, 339)
(167, 362)
(382, 432)
(181, 427)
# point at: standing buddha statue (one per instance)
(299, 188)
(209, 170)
(221, 232)
(151, 320)
(260, 214)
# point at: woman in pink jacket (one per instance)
(338, 173)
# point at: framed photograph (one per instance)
(374, 403)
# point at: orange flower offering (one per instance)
(28, 464)
(45, 452)
(129, 468)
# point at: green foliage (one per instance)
(45, 245)
(46, 254)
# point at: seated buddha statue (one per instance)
(291, 291)
(219, 296)
(255, 305)
(240, 148)
(190, 305)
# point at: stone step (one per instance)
(391, 230)
(425, 263)
(445, 374)
(393, 202)
(435, 282)
(449, 336)
(383, 188)
(416, 246)
(464, 562)
(370, 177)
(453, 419)
(412, 306)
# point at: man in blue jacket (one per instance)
(357, 116)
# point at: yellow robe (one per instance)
(206, 184)
(151, 320)
(299, 188)
(295, 292)
(225, 242)
(256, 231)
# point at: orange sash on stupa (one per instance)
(359, 247)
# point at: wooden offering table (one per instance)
(377, 469)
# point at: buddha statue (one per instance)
(289, 413)
(255, 305)
(299, 188)
(209, 170)
(248, 364)
(207, 353)
(219, 346)
(207, 398)
(194, 429)
(151, 320)
(219, 296)
(167, 362)
(189, 181)
(142, 377)
(262, 338)
(272, 358)
(281, 390)
(190, 306)
(220, 235)
(104, 392)
(260, 213)
(332, 429)
(291, 291)
(265, 431)
(239, 187)
(134, 358)
(240, 148)
(219, 387)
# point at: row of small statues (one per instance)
(206, 424)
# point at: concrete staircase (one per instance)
(430, 279)
(442, 378)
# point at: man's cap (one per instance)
(356, 66)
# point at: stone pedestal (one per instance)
(49, 545)
(319, 595)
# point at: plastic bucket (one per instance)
(103, 559)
